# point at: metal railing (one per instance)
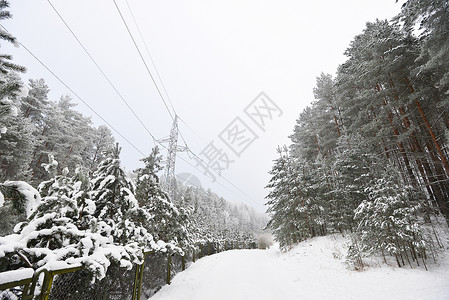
(77, 282)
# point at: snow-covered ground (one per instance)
(314, 269)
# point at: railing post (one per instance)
(138, 279)
(169, 269)
(194, 254)
(46, 285)
(184, 262)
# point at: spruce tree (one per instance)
(289, 212)
(115, 203)
(168, 223)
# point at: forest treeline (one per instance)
(64, 196)
(369, 155)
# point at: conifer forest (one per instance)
(369, 156)
(368, 159)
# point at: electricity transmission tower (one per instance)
(170, 180)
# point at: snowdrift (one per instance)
(314, 269)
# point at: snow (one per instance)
(60, 265)
(6, 101)
(2, 199)
(16, 275)
(14, 112)
(31, 195)
(107, 180)
(65, 171)
(24, 91)
(52, 163)
(16, 43)
(314, 269)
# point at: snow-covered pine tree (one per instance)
(34, 104)
(8, 88)
(216, 222)
(391, 220)
(18, 200)
(116, 206)
(147, 183)
(353, 165)
(167, 223)
(5, 60)
(290, 220)
(53, 232)
(102, 142)
(432, 18)
(65, 133)
(16, 140)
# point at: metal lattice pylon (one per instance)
(170, 181)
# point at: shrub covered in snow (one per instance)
(64, 229)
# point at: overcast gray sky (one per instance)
(214, 57)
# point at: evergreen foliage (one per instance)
(6, 65)
(367, 157)
(167, 222)
(95, 216)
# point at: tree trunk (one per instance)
(434, 139)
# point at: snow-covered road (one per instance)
(312, 270)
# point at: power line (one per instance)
(155, 68)
(191, 129)
(193, 166)
(149, 55)
(94, 111)
(109, 124)
(162, 98)
(143, 60)
(112, 85)
(123, 99)
(99, 69)
(224, 178)
(76, 95)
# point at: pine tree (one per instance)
(57, 232)
(352, 166)
(287, 209)
(5, 60)
(52, 225)
(34, 104)
(391, 220)
(147, 183)
(116, 206)
(18, 201)
(66, 134)
(168, 223)
(371, 146)
(102, 142)
(432, 17)
(8, 89)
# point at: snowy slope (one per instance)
(314, 269)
